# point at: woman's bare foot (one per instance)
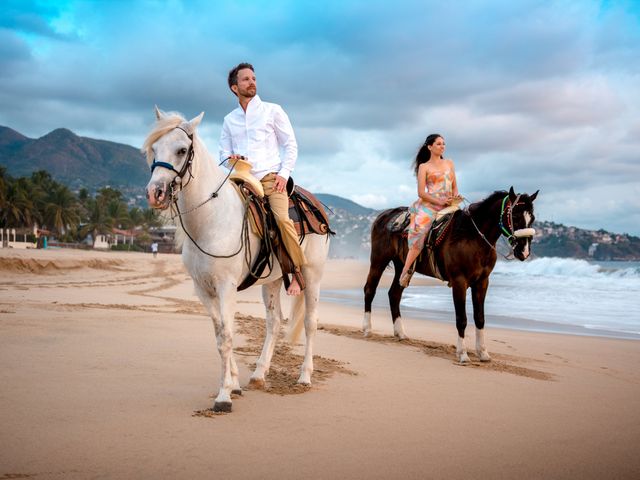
(294, 287)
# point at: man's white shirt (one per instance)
(259, 134)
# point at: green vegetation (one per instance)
(38, 200)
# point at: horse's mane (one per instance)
(164, 125)
(498, 194)
(463, 228)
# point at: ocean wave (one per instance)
(568, 267)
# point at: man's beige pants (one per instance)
(279, 203)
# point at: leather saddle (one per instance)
(399, 223)
(306, 212)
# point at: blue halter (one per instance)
(187, 164)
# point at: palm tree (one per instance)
(151, 218)
(40, 185)
(135, 216)
(98, 222)
(117, 210)
(61, 209)
(17, 209)
(3, 186)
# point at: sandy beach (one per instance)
(108, 365)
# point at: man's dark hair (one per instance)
(233, 74)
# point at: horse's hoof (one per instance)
(257, 383)
(366, 333)
(224, 407)
(236, 391)
(464, 359)
(484, 357)
(304, 383)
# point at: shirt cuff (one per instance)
(285, 173)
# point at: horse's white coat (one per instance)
(366, 324)
(481, 348)
(398, 329)
(461, 351)
(217, 228)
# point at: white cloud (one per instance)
(527, 93)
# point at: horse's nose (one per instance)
(155, 194)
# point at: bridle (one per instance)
(509, 233)
(178, 181)
(186, 166)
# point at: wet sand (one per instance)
(108, 367)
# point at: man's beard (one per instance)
(249, 92)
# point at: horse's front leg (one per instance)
(478, 294)
(222, 314)
(271, 298)
(395, 296)
(459, 290)
(311, 299)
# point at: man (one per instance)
(258, 131)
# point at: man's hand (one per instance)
(279, 184)
(231, 160)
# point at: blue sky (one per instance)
(536, 94)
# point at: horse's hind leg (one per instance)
(459, 290)
(478, 294)
(395, 295)
(271, 299)
(373, 279)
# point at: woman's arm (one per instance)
(454, 181)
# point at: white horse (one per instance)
(213, 216)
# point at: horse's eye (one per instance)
(182, 151)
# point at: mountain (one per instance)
(85, 162)
(73, 160)
(352, 224)
(340, 203)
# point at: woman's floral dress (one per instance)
(440, 185)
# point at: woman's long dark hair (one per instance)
(424, 154)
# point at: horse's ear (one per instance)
(533, 197)
(194, 122)
(159, 113)
(512, 195)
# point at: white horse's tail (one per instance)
(296, 319)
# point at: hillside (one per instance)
(73, 160)
(85, 162)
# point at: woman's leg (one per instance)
(407, 270)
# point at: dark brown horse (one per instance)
(465, 257)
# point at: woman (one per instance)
(437, 188)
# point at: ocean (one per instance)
(558, 295)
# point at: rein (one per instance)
(510, 234)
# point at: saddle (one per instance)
(399, 223)
(307, 214)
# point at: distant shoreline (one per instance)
(353, 298)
